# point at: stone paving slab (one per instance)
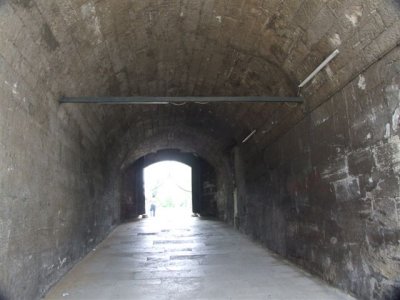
(150, 259)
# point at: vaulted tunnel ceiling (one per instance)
(186, 48)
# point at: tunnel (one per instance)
(309, 188)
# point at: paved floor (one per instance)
(186, 259)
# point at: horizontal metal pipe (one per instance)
(167, 100)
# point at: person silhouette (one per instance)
(152, 208)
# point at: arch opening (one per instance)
(168, 189)
(200, 184)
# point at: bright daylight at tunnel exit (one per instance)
(168, 189)
(200, 149)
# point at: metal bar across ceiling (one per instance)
(167, 100)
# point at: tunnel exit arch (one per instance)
(168, 185)
(204, 201)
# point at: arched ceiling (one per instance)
(171, 137)
(184, 47)
(174, 47)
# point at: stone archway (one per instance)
(204, 183)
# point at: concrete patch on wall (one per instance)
(396, 119)
(387, 155)
(361, 82)
(392, 93)
(335, 40)
(347, 189)
(354, 14)
(88, 11)
(387, 131)
(336, 169)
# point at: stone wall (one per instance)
(51, 190)
(209, 190)
(53, 208)
(327, 195)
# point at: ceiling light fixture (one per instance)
(319, 68)
(249, 136)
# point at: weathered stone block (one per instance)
(361, 162)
